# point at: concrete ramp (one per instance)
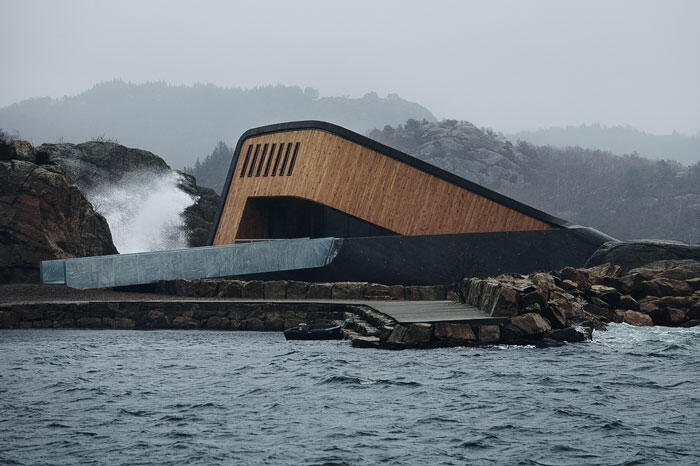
(203, 262)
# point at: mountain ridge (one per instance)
(183, 122)
(617, 139)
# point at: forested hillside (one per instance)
(618, 140)
(624, 196)
(181, 123)
(212, 170)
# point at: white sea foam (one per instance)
(144, 211)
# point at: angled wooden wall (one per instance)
(362, 182)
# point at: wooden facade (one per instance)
(334, 167)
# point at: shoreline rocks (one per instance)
(44, 215)
(291, 289)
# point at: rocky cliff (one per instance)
(44, 215)
(98, 163)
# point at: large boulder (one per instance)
(632, 254)
(454, 332)
(97, 163)
(44, 216)
(532, 325)
(634, 317)
(410, 335)
(507, 303)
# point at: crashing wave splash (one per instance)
(144, 211)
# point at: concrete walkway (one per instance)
(401, 311)
(430, 311)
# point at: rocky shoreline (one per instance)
(540, 309)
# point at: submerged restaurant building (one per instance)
(313, 201)
(401, 220)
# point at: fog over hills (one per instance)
(181, 123)
(624, 196)
(619, 140)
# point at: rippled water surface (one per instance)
(164, 397)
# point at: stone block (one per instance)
(275, 289)
(649, 304)
(554, 314)
(507, 303)
(9, 319)
(533, 325)
(600, 308)
(397, 292)
(568, 334)
(426, 293)
(543, 281)
(632, 284)
(122, 323)
(608, 294)
(28, 312)
(253, 324)
(580, 277)
(454, 332)
(186, 287)
(411, 335)
(184, 322)
(670, 316)
(377, 291)
(628, 302)
(253, 289)
(217, 323)
(635, 318)
(667, 287)
(365, 342)
(567, 304)
(89, 322)
(208, 288)
(489, 334)
(537, 297)
(230, 289)
(348, 290)
(319, 291)
(297, 290)
(680, 302)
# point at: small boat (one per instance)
(305, 332)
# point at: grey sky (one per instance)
(510, 65)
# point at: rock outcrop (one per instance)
(96, 163)
(199, 217)
(632, 254)
(44, 215)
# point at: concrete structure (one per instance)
(332, 205)
(204, 262)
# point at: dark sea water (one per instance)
(172, 397)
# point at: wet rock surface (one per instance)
(97, 163)
(631, 254)
(44, 216)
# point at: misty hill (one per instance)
(619, 140)
(624, 196)
(183, 122)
